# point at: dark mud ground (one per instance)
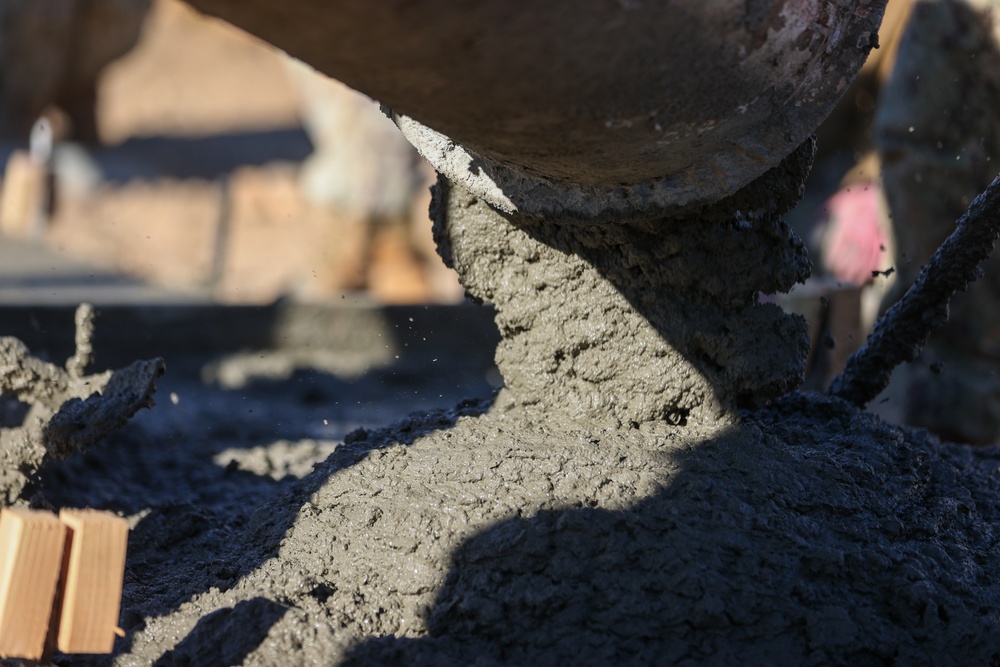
(803, 533)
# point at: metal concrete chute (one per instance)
(597, 109)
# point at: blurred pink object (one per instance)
(852, 239)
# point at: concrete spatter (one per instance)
(637, 322)
(806, 534)
(67, 410)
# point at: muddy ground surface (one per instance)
(273, 524)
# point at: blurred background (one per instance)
(145, 140)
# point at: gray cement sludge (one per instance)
(644, 491)
(540, 531)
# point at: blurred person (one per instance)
(854, 239)
(843, 217)
(918, 137)
(938, 136)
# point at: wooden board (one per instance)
(31, 554)
(94, 566)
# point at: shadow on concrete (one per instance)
(811, 533)
(205, 525)
(226, 636)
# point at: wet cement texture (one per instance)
(593, 512)
(807, 533)
(659, 319)
(643, 490)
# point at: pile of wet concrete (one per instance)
(267, 528)
(646, 488)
